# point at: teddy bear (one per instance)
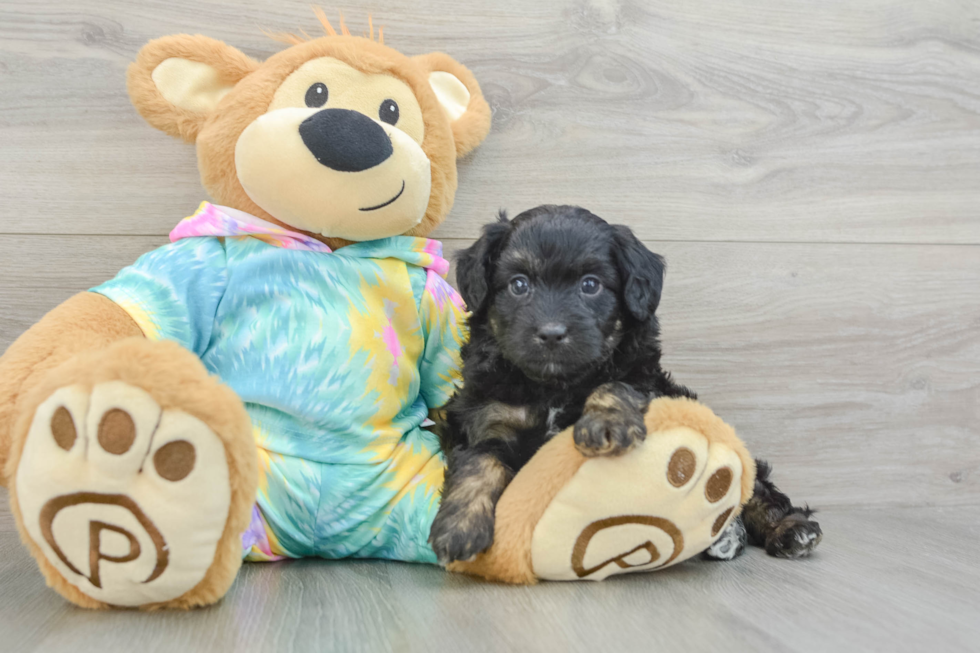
(260, 388)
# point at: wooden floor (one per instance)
(897, 579)
(811, 171)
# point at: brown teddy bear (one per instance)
(259, 388)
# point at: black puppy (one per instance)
(563, 332)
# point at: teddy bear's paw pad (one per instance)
(125, 500)
(658, 505)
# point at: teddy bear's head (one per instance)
(338, 136)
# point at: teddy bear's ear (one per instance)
(461, 99)
(177, 81)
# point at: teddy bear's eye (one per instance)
(388, 112)
(316, 95)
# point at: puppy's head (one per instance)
(558, 288)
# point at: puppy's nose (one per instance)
(552, 333)
(345, 140)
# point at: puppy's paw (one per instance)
(730, 544)
(460, 532)
(609, 433)
(794, 536)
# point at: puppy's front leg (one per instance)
(463, 527)
(612, 421)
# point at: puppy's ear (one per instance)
(475, 264)
(641, 273)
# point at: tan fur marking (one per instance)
(603, 401)
(523, 258)
(499, 420)
(476, 487)
(604, 398)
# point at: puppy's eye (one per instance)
(316, 95)
(591, 286)
(388, 112)
(519, 285)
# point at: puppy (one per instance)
(563, 331)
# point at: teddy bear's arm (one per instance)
(85, 322)
(443, 318)
(173, 292)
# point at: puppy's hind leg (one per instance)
(731, 544)
(772, 521)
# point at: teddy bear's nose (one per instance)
(345, 140)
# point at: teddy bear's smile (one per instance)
(391, 201)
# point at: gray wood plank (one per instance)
(39, 272)
(854, 368)
(831, 121)
(898, 579)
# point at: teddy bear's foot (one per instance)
(126, 501)
(567, 517)
(664, 502)
(123, 500)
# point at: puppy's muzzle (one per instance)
(345, 140)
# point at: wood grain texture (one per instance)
(855, 369)
(811, 171)
(875, 584)
(832, 121)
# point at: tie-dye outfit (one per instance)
(338, 357)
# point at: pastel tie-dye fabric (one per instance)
(338, 357)
(212, 220)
